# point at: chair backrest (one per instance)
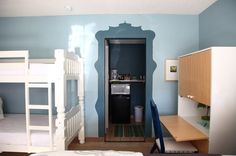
(157, 126)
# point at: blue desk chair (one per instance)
(167, 145)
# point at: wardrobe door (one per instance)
(195, 76)
(184, 76)
(202, 77)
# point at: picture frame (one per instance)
(171, 69)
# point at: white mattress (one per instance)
(13, 130)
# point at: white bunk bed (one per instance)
(32, 134)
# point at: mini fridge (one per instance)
(120, 103)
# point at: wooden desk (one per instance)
(181, 130)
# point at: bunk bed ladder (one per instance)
(31, 106)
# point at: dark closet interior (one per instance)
(126, 82)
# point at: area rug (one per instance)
(124, 130)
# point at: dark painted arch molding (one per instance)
(124, 30)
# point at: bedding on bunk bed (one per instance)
(13, 130)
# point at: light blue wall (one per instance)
(217, 25)
(175, 35)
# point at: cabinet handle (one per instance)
(190, 96)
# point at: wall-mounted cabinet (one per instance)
(195, 76)
(208, 76)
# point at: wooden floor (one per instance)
(143, 147)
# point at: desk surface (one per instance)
(181, 130)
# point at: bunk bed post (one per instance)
(80, 87)
(60, 97)
(27, 113)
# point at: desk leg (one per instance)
(201, 145)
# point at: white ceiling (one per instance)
(12, 8)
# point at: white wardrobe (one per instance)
(209, 77)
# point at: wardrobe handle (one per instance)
(190, 96)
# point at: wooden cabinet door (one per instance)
(201, 77)
(195, 76)
(184, 76)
